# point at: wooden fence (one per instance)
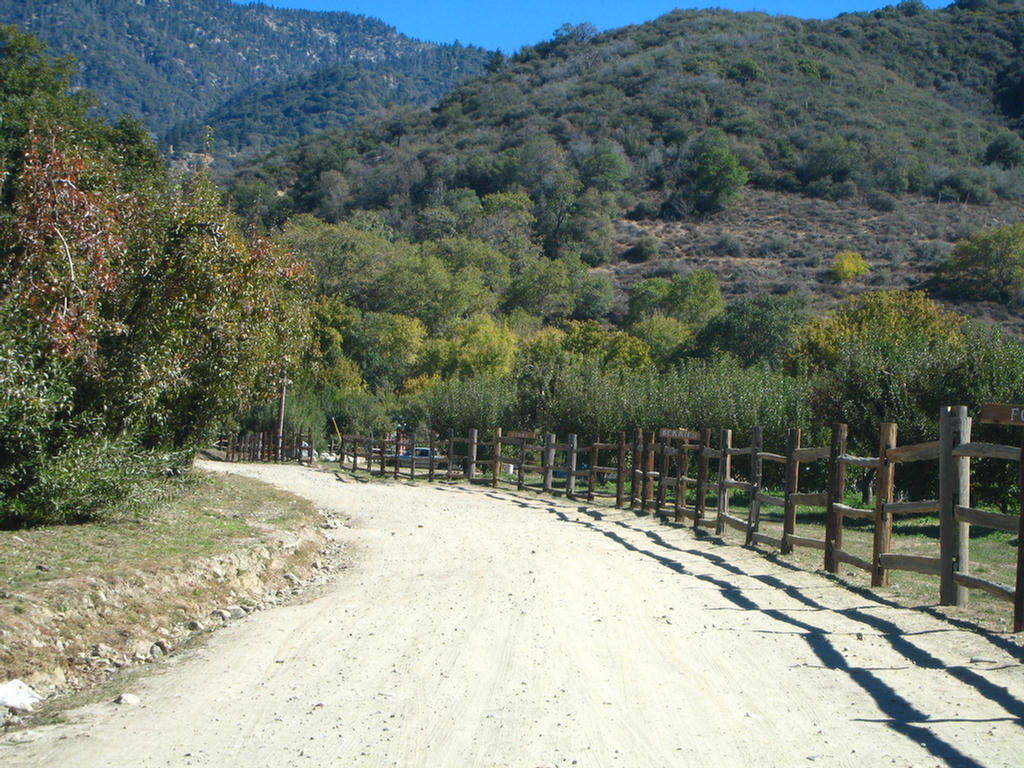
(523, 459)
(291, 445)
(673, 472)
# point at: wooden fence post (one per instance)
(637, 463)
(954, 489)
(665, 448)
(883, 496)
(682, 472)
(679, 499)
(497, 457)
(521, 466)
(703, 471)
(620, 471)
(754, 506)
(451, 452)
(592, 475)
(432, 464)
(836, 490)
(1018, 595)
(649, 453)
(792, 487)
(570, 475)
(548, 461)
(724, 476)
(471, 456)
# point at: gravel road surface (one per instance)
(483, 628)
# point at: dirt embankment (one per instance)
(66, 633)
(481, 628)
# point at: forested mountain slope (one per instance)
(176, 62)
(903, 99)
(904, 115)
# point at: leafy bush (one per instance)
(879, 357)
(987, 265)
(847, 265)
(833, 158)
(645, 250)
(967, 185)
(728, 245)
(95, 477)
(1006, 149)
(481, 402)
(880, 201)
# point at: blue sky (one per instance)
(509, 25)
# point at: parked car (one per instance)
(420, 457)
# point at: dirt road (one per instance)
(479, 628)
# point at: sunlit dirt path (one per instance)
(483, 628)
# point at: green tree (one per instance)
(542, 288)
(506, 223)
(878, 357)
(136, 305)
(693, 298)
(668, 338)
(987, 265)
(627, 351)
(386, 348)
(483, 347)
(545, 171)
(755, 329)
(1007, 150)
(645, 297)
(605, 170)
(210, 320)
(888, 315)
(717, 177)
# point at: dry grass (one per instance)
(121, 584)
(993, 557)
(204, 516)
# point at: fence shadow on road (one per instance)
(900, 714)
